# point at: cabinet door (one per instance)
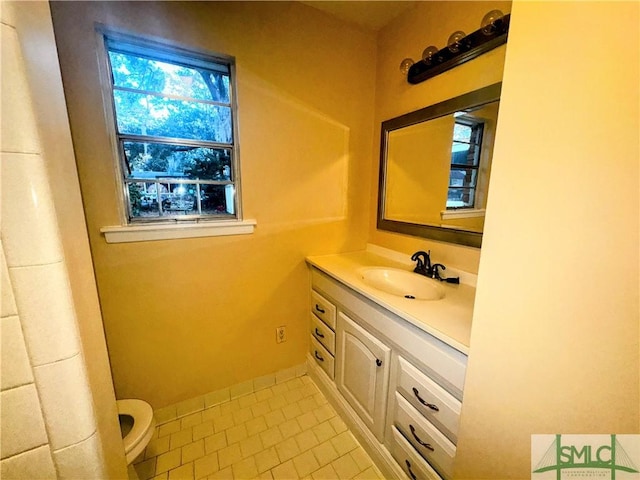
(362, 372)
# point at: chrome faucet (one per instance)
(424, 267)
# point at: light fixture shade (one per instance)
(405, 65)
(428, 54)
(488, 24)
(454, 40)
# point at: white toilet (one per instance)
(137, 425)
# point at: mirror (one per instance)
(435, 166)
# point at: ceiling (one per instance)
(372, 15)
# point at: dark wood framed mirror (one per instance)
(435, 167)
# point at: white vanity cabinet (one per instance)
(323, 337)
(362, 373)
(399, 387)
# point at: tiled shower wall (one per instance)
(47, 416)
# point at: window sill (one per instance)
(462, 213)
(147, 233)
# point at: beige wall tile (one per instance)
(241, 389)
(82, 460)
(19, 132)
(7, 302)
(21, 420)
(35, 463)
(190, 406)
(263, 382)
(191, 420)
(165, 414)
(66, 401)
(16, 369)
(29, 228)
(217, 397)
(46, 312)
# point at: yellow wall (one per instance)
(555, 339)
(418, 166)
(427, 23)
(184, 317)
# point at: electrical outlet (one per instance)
(281, 334)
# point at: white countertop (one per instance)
(448, 319)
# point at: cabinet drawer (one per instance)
(323, 334)
(424, 437)
(429, 398)
(322, 357)
(324, 309)
(412, 464)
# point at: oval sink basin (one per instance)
(402, 283)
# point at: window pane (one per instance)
(143, 200)
(463, 177)
(139, 114)
(461, 154)
(461, 133)
(179, 199)
(158, 160)
(131, 71)
(217, 199)
(461, 198)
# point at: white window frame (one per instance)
(168, 226)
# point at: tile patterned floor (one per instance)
(287, 431)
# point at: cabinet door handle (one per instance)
(424, 444)
(378, 362)
(413, 477)
(319, 309)
(318, 356)
(421, 400)
(319, 334)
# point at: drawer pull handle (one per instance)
(421, 400)
(321, 310)
(413, 477)
(318, 356)
(425, 445)
(378, 362)
(319, 334)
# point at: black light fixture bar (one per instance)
(470, 47)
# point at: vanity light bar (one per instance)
(467, 48)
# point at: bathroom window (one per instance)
(465, 164)
(174, 115)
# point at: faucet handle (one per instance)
(434, 272)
